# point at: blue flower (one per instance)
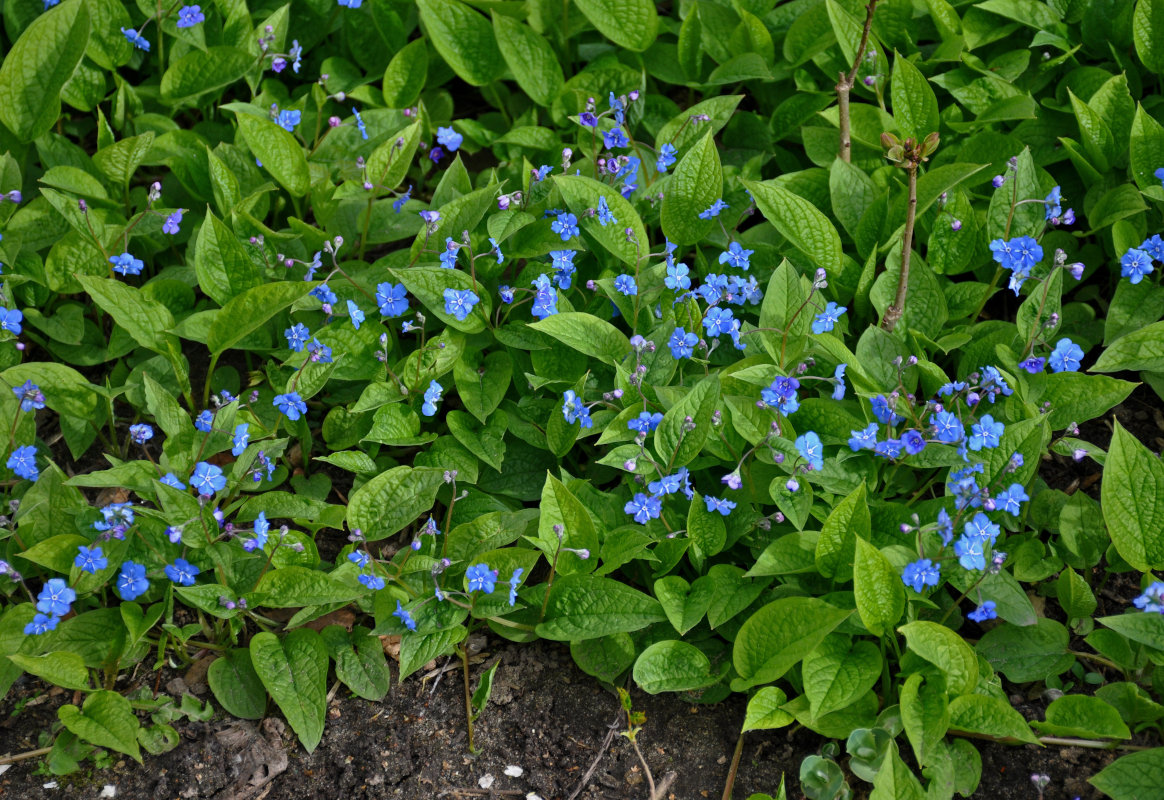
(1160, 174)
(645, 422)
(545, 298)
(449, 139)
(117, 517)
(296, 336)
(1033, 365)
(714, 210)
(55, 598)
(392, 299)
(136, 39)
(505, 293)
(921, 573)
(262, 528)
(666, 157)
(563, 267)
(132, 583)
(588, 119)
(913, 442)
(644, 507)
(945, 527)
(360, 120)
(839, 377)
(865, 439)
(677, 277)
(182, 572)
(717, 321)
(682, 343)
(373, 582)
(241, 438)
(884, 412)
(30, 395)
(574, 410)
(290, 404)
(170, 479)
(1135, 264)
(566, 226)
(980, 527)
(207, 479)
(538, 175)
(969, 550)
(204, 421)
(1153, 246)
(125, 264)
(1152, 600)
(189, 16)
(23, 462)
(296, 53)
(41, 623)
(724, 507)
(481, 578)
(985, 433)
(1011, 499)
(736, 256)
(825, 320)
(625, 284)
(1054, 202)
(605, 215)
(890, 448)
(351, 3)
(497, 250)
(514, 582)
(448, 256)
(288, 119)
(430, 217)
(90, 559)
(947, 427)
(781, 395)
(1066, 357)
(986, 610)
(432, 396)
(324, 294)
(404, 616)
(460, 303)
(141, 433)
(360, 558)
(811, 450)
(399, 202)
(614, 138)
(173, 223)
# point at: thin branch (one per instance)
(845, 84)
(894, 312)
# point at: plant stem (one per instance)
(463, 651)
(646, 769)
(845, 85)
(894, 312)
(731, 778)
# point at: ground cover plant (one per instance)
(731, 344)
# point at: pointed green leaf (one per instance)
(106, 720)
(279, 152)
(463, 38)
(696, 183)
(294, 670)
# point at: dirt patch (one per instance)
(546, 717)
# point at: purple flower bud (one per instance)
(503, 202)
(998, 181)
(793, 485)
(333, 122)
(81, 204)
(870, 80)
(617, 393)
(634, 95)
(367, 186)
(1079, 454)
(956, 225)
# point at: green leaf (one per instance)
(388, 163)
(604, 658)
(1075, 596)
(800, 222)
(1098, 141)
(673, 666)
(1132, 777)
(895, 781)
(1139, 350)
(294, 670)
(877, 588)
(280, 153)
(1075, 397)
(706, 529)
(586, 607)
(848, 521)
(120, 160)
(224, 267)
(925, 714)
(202, 71)
(418, 650)
(696, 183)
(294, 587)
(915, 106)
(248, 312)
(38, 66)
(1083, 717)
(530, 59)
(679, 130)
(145, 319)
(946, 650)
(685, 605)
(1146, 145)
(677, 446)
(1027, 653)
(632, 24)
(428, 284)
(1139, 627)
(106, 720)
(392, 499)
(989, 716)
(236, 685)
(359, 661)
(1132, 497)
(779, 635)
(482, 387)
(559, 506)
(839, 672)
(582, 193)
(1027, 218)
(764, 712)
(464, 40)
(691, 44)
(587, 334)
(1148, 33)
(405, 75)
(63, 669)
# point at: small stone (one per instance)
(514, 771)
(485, 781)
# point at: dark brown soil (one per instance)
(546, 717)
